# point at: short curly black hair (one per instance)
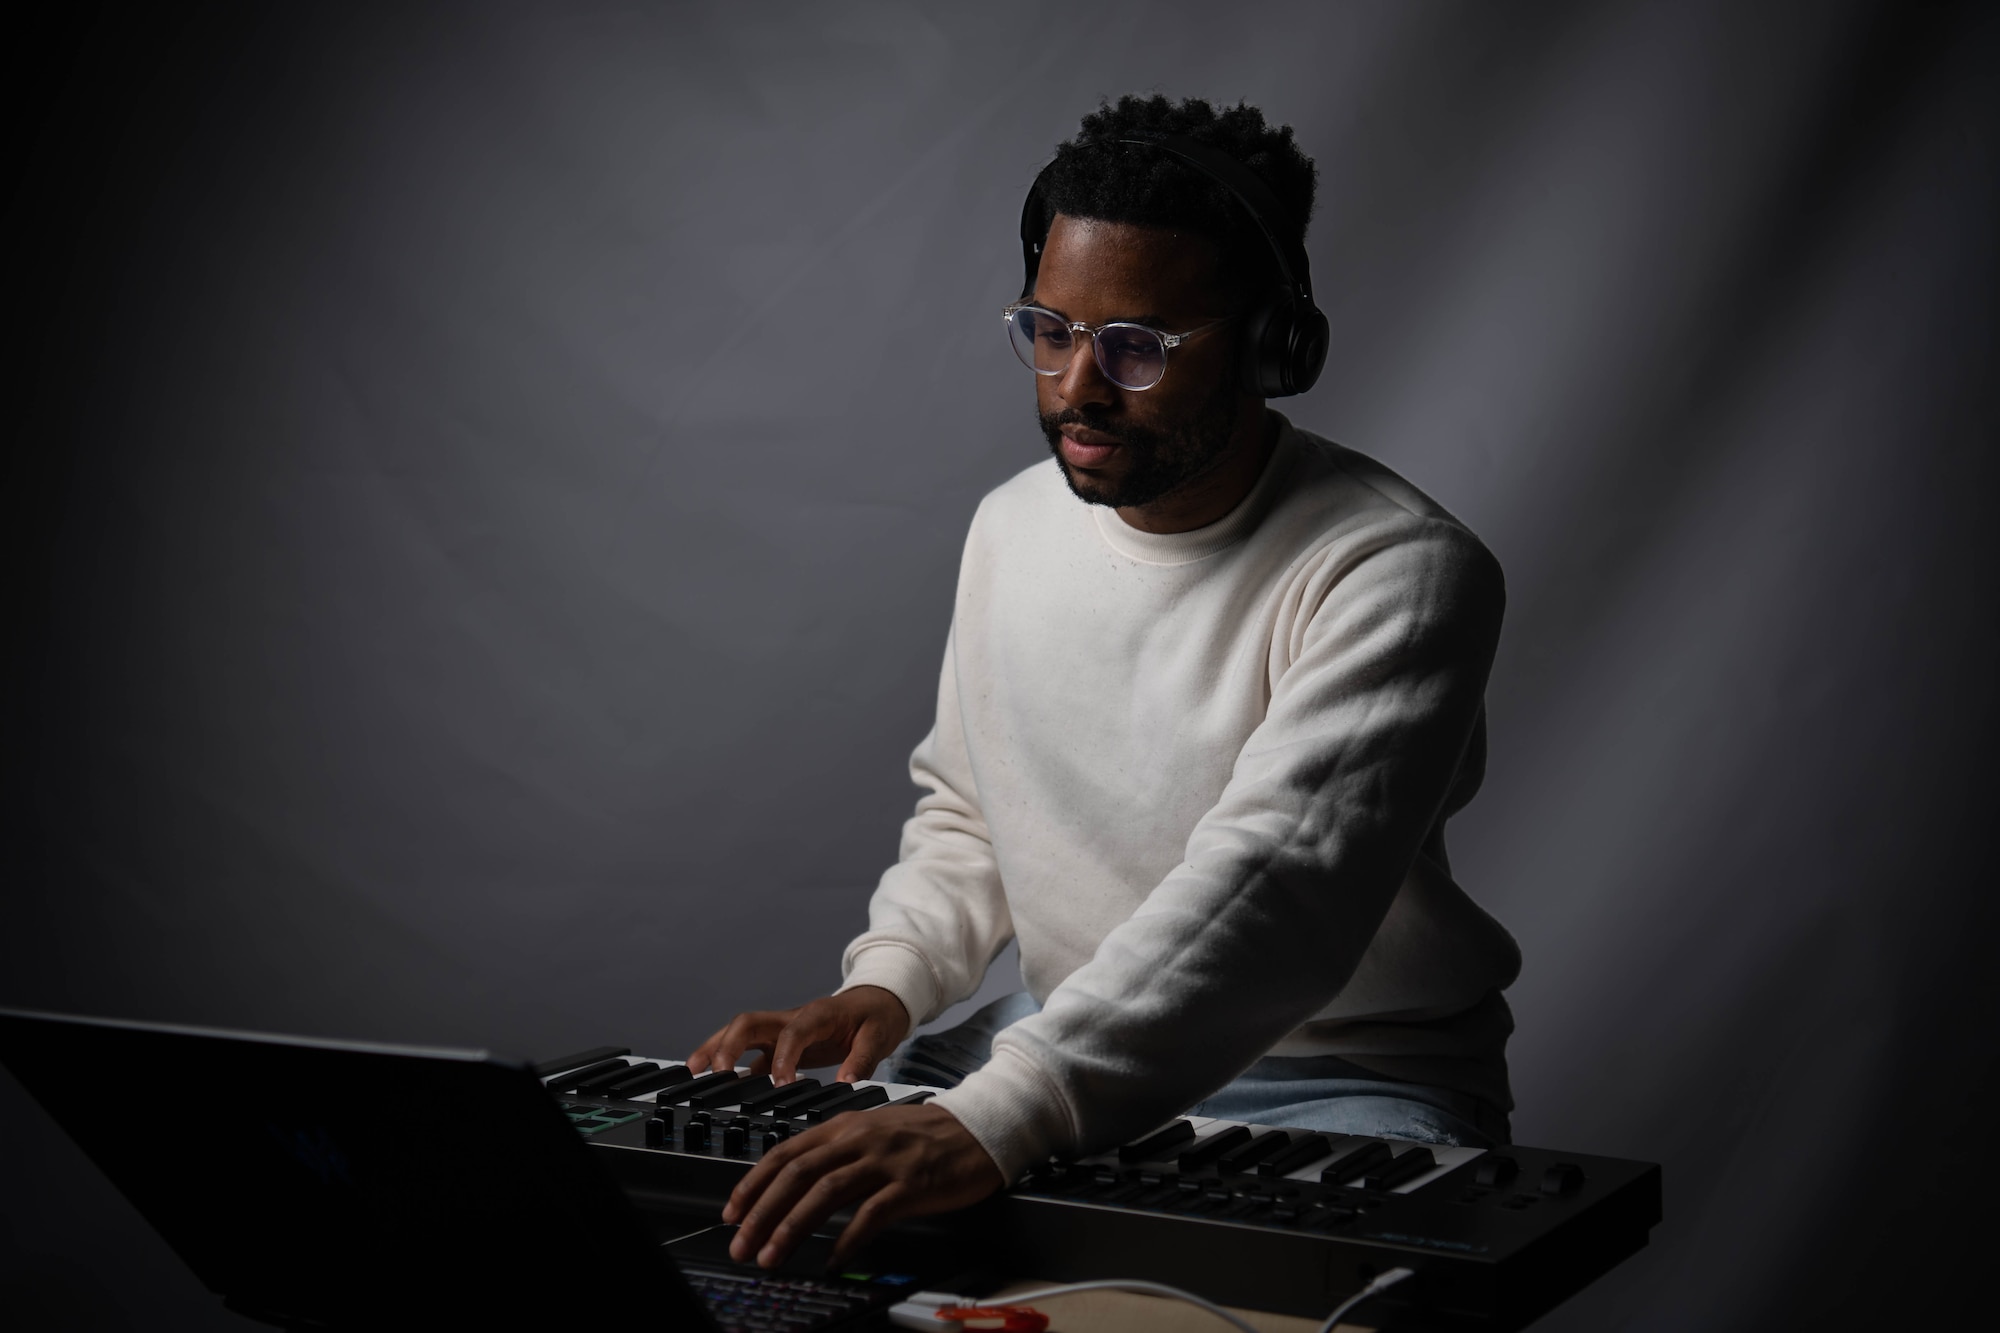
(1095, 177)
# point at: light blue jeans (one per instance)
(1320, 1092)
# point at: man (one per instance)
(1196, 742)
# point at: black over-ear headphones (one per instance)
(1284, 336)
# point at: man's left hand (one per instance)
(896, 1162)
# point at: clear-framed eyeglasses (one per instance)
(1132, 356)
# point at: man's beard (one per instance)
(1160, 462)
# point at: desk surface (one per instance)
(1128, 1312)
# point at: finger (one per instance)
(828, 1195)
(706, 1051)
(884, 1206)
(758, 1177)
(808, 1027)
(779, 1193)
(751, 1031)
(729, 1043)
(875, 1040)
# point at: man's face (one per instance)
(1125, 447)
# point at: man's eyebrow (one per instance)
(1152, 319)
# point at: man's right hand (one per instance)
(855, 1028)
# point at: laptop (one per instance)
(335, 1185)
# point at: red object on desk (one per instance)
(1003, 1318)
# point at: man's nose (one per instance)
(1082, 380)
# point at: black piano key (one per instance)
(832, 1092)
(664, 1077)
(727, 1094)
(1407, 1166)
(858, 1100)
(767, 1091)
(1362, 1156)
(563, 1064)
(1155, 1146)
(913, 1098)
(1207, 1150)
(594, 1087)
(568, 1082)
(681, 1094)
(758, 1102)
(776, 1101)
(1303, 1153)
(1267, 1144)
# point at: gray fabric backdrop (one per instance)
(486, 485)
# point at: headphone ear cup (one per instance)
(1307, 354)
(1266, 337)
(1284, 347)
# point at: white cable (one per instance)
(1380, 1284)
(934, 1299)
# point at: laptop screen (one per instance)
(339, 1184)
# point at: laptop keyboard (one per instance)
(773, 1303)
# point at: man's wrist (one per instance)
(1013, 1110)
(898, 968)
(887, 1003)
(976, 1152)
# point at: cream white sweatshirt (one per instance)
(1202, 778)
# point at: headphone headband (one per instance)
(1250, 191)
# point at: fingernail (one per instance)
(768, 1257)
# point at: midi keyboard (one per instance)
(1260, 1216)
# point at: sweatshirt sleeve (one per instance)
(1385, 650)
(939, 915)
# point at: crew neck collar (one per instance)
(1182, 548)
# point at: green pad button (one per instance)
(589, 1119)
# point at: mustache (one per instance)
(1127, 434)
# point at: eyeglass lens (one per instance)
(1130, 355)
